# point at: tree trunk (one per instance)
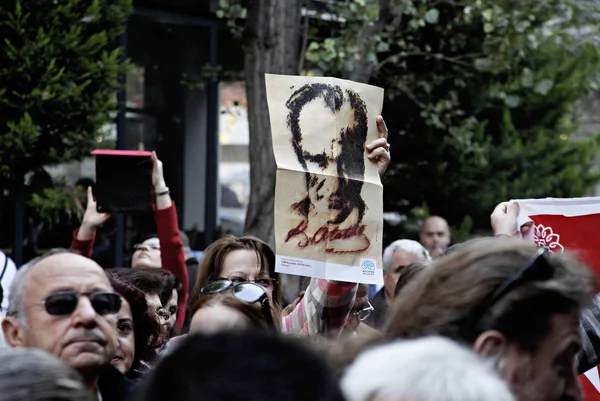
(272, 41)
(364, 68)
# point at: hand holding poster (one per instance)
(328, 196)
(567, 225)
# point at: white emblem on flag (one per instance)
(545, 237)
(593, 377)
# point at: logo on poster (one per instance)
(545, 237)
(368, 266)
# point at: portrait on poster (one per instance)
(328, 197)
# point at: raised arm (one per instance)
(171, 248)
(378, 151)
(85, 235)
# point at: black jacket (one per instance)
(114, 386)
(380, 306)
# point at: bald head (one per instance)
(52, 260)
(435, 235)
(63, 304)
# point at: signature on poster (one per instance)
(336, 195)
(326, 235)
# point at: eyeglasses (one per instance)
(245, 291)
(538, 269)
(146, 247)
(365, 312)
(266, 282)
(65, 302)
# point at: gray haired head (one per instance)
(28, 374)
(405, 245)
(431, 369)
(16, 298)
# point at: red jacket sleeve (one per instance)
(171, 253)
(84, 248)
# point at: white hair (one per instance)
(426, 369)
(16, 297)
(405, 245)
(18, 288)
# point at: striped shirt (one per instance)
(324, 309)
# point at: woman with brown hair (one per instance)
(138, 329)
(324, 307)
(161, 290)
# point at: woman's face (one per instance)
(147, 255)
(126, 341)
(217, 318)
(244, 265)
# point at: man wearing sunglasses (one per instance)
(64, 304)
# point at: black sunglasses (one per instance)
(65, 302)
(538, 269)
(245, 291)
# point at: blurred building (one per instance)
(173, 105)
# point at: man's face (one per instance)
(435, 236)
(322, 153)
(320, 149)
(400, 260)
(84, 339)
(549, 374)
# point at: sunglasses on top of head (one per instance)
(537, 269)
(245, 291)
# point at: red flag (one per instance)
(590, 383)
(572, 225)
(574, 233)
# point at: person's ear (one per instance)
(493, 345)
(13, 332)
(490, 344)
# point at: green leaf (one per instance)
(544, 86)
(432, 15)
(512, 101)
(487, 14)
(527, 78)
(383, 47)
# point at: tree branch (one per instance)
(437, 56)
(304, 42)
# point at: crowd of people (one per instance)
(490, 319)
